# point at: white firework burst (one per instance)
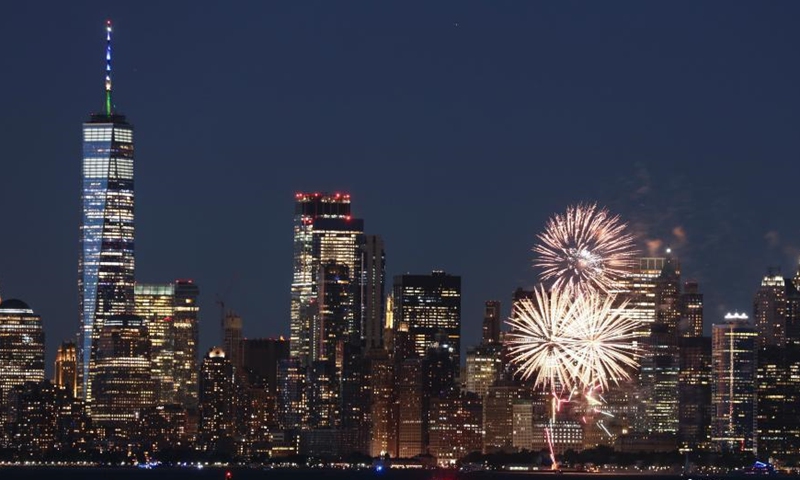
(567, 341)
(585, 248)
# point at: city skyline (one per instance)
(187, 207)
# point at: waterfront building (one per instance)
(498, 417)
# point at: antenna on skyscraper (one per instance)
(108, 67)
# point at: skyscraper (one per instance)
(491, 322)
(373, 279)
(171, 311)
(429, 305)
(691, 311)
(186, 334)
(324, 231)
(733, 360)
(694, 393)
(106, 263)
(769, 311)
(66, 368)
(124, 385)
(155, 304)
(232, 340)
(217, 406)
(21, 346)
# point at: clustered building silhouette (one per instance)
(368, 368)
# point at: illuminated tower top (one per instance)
(109, 104)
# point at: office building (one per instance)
(106, 263)
(260, 360)
(778, 401)
(373, 274)
(484, 367)
(694, 394)
(324, 231)
(491, 323)
(429, 305)
(66, 368)
(769, 311)
(124, 386)
(733, 364)
(232, 340)
(21, 346)
(691, 311)
(171, 313)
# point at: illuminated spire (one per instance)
(108, 67)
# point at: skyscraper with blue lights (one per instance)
(106, 263)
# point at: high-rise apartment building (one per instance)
(216, 402)
(324, 231)
(733, 360)
(66, 368)
(106, 263)
(428, 306)
(21, 346)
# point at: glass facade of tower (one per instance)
(323, 232)
(124, 385)
(171, 311)
(154, 303)
(429, 305)
(733, 359)
(106, 264)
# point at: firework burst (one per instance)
(565, 342)
(586, 248)
(539, 339)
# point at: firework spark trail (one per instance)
(586, 248)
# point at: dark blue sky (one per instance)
(458, 128)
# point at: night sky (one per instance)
(457, 127)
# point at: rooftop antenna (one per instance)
(108, 67)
